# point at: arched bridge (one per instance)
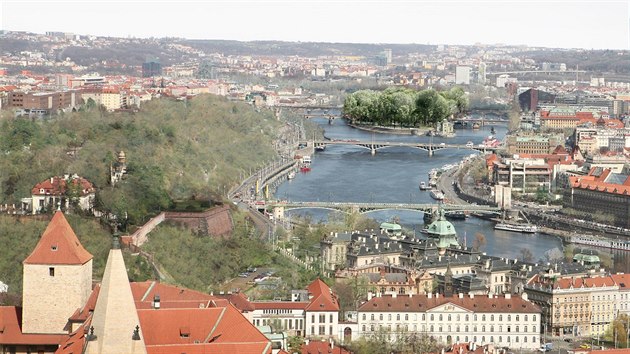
(279, 207)
(376, 145)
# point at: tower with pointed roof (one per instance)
(115, 319)
(57, 279)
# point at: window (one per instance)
(501, 319)
(372, 317)
(322, 318)
(466, 317)
(509, 318)
(440, 317)
(397, 317)
(406, 317)
(312, 318)
(449, 317)
(331, 318)
(330, 330)
(525, 318)
(483, 318)
(363, 328)
(389, 317)
(534, 318)
(380, 317)
(432, 317)
(517, 318)
(322, 330)
(363, 317)
(51, 271)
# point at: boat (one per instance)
(320, 148)
(492, 131)
(305, 168)
(524, 228)
(291, 175)
(476, 125)
(423, 186)
(456, 215)
(601, 242)
(436, 194)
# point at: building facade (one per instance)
(510, 321)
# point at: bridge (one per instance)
(373, 146)
(279, 207)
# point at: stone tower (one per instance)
(115, 319)
(57, 279)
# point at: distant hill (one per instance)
(307, 49)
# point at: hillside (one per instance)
(175, 151)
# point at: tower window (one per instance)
(51, 271)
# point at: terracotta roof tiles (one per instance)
(58, 245)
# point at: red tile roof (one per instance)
(57, 186)
(58, 245)
(197, 330)
(288, 305)
(82, 314)
(598, 183)
(323, 298)
(322, 347)
(11, 330)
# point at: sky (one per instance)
(559, 24)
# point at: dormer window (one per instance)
(184, 332)
(41, 191)
(53, 247)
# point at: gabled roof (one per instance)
(319, 347)
(58, 185)
(58, 245)
(323, 299)
(201, 330)
(11, 330)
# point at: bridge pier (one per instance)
(373, 150)
(430, 152)
(278, 212)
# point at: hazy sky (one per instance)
(567, 24)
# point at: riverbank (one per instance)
(390, 130)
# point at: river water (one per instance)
(352, 174)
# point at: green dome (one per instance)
(441, 227)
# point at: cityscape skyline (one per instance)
(558, 24)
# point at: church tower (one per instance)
(57, 279)
(115, 320)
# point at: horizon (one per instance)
(560, 24)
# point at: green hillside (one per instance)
(175, 151)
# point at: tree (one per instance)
(553, 255)
(295, 344)
(479, 242)
(526, 255)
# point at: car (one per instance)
(243, 275)
(568, 340)
(442, 144)
(585, 346)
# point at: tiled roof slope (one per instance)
(58, 245)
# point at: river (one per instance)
(392, 175)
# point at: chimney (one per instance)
(156, 301)
(508, 296)
(370, 295)
(332, 343)
(524, 296)
(52, 179)
(394, 295)
(306, 341)
(430, 295)
(472, 296)
(461, 295)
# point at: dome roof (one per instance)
(441, 226)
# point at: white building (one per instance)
(317, 315)
(504, 321)
(462, 75)
(61, 192)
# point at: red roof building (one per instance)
(58, 245)
(59, 191)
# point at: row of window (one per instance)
(286, 323)
(449, 317)
(449, 328)
(322, 330)
(508, 339)
(322, 318)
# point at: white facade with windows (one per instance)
(500, 320)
